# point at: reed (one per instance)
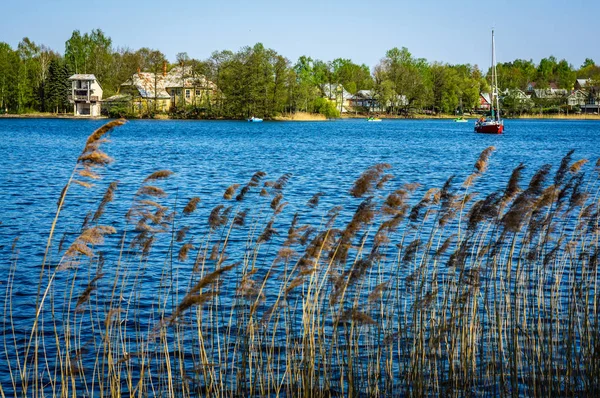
(400, 290)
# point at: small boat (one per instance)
(373, 119)
(492, 124)
(461, 118)
(255, 119)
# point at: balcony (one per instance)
(79, 98)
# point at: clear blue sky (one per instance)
(453, 32)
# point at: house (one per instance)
(86, 95)
(363, 99)
(592, 102)
(183, 84)
(576, 99)
(367, 99)
(516, 100)
(530, 87)
(161, 92)
(516, 93)
(338, 94)
(590, 95)
(484, 102)
(147, 92)
(555, 95)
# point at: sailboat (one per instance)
(493, 124)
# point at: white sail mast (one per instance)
(495, 95)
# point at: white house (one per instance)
(338, 94)
(86, 95)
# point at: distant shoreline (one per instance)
(47, 116)
(307, 117)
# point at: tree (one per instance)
(77, 52)
(28, 75)
(352, 76)
(587, 62)
(58, 86)
(100, 54)
(9, 65)
(564, 75)
(406, 75)
(155, 59)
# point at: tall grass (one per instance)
(440, 291)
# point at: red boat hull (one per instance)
(490, 129)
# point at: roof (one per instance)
(81, 76)
(366, 94)
(146, 85)
(584, 82)
(179, 77)
(515, 92)
(118, 98)
(184, 77)
(331, 91)
(550, 93)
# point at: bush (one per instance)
(118, 111)
(326, 108)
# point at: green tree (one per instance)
(58, 86)
(28, 78)
(407, 76)
(352, 76)
(77, 52)
(155, 60)
(587, 62)
(100, 55)
(9, 70)
(564, 75)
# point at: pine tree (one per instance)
(58, 86)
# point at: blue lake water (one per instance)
(38, 155)
(207, 156)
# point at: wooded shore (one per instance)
(309, 117)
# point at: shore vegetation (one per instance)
(259, 81)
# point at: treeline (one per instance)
(257, 80)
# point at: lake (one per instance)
(38, 156)
(207, 156)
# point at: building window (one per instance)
(188, 94)
(197, 93)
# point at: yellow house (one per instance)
(160, 92)
(185, 86)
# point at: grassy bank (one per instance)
(583, 116)
(450, 290)
(304, 116)
(301, 117)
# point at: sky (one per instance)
(449, 32)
